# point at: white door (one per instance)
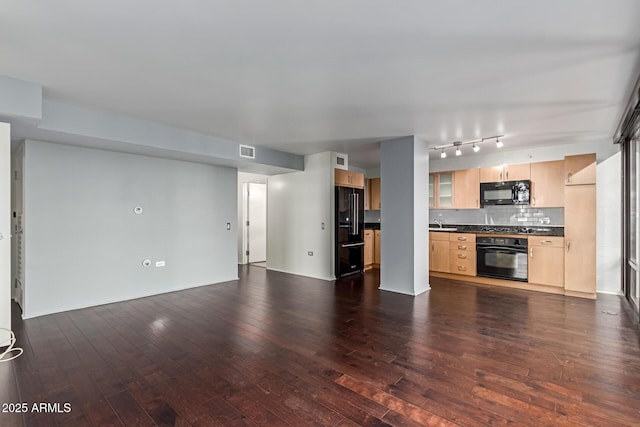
(5, 232)
(257, 220)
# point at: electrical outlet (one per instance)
(228, 226)
(310, 253)
(159, 263)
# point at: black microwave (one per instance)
(504, 193)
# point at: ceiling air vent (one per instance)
(340, 161)
(247, 151)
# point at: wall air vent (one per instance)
(247, 151)
(340, 160)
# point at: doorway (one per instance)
(252, 210)
(256, 224)
(631, 209)
(5, 233)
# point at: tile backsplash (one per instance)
(500, 215)
(371, 216)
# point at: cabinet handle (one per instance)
(462, 238)
(432, 247)
(477, 203)
(568, 245)
(462, 268)
(534, 201)
(500, 176)
(507, 175)
(568, 176)
(462, 256)
(462, 247)
(531, 252)
(546, 242)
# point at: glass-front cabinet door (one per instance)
(445, 190)
(441, 190)
(432, 179)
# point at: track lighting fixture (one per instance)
(474, 143)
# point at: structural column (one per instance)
(404, 173)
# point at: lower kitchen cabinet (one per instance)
(377, 242)
(462, 254)
(546, 261)
(439, 251)
(368, 249)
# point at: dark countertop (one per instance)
(372, 225)
(533, 230)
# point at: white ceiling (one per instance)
(310, 76)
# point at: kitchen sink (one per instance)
(442, 229)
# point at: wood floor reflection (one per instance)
(278, 349)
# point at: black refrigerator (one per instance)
(349, 231)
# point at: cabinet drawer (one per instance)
(439, 235)
(463, 246)
(462, 237)
(462, 262)
(368, 233)
(546, 241)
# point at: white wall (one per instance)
(297, 204)
(5, 229)
(84, 244)
(609, 219)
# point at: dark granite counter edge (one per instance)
(549, 230)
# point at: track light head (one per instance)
(499, 143)
(475, 148)
(443, 155)
(458, 151)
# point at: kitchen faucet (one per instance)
(439, 222)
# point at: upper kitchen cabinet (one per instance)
(441, 190)
(506, 173)
(466, 192)
(345, 178)
(374, 193)
(580, 169)
(547, 184)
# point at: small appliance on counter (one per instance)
(504, 193)
(349, 231)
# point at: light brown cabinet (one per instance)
(462, 253)
(368, 249)
(547, 184)
(546, 261)
(439, 251)
(441, 187)
(346, 178)
(377, 246)
(506, 173)
(580, 169)
(580, 239)
(466, 192)
(374, 192)
(367, 194)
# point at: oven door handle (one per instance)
(504, 249)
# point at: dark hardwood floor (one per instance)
(275, 349)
